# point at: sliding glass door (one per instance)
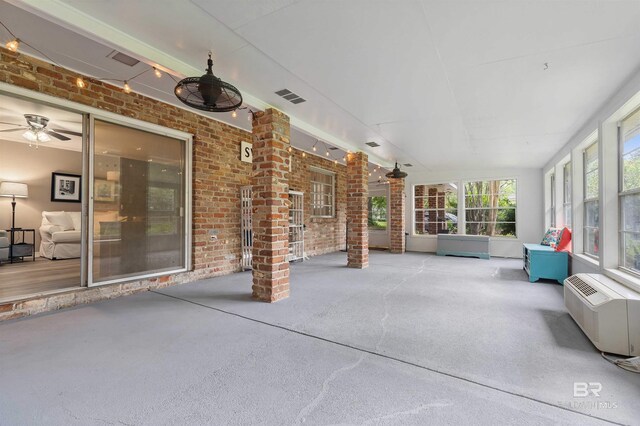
(139, 203)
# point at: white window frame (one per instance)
(587, 200)
(622, 193)
(567, 181)
(552, 204)
(462, 208)
(313, 194)
(425, 210)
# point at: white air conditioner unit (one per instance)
(607, 312)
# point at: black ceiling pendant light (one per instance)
(208, 93)
(396, 173)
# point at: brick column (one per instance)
(270, 205)
(420, 204)
(357, 210)
(396, 216)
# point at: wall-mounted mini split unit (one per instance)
(606, 311)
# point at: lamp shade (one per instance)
(14, 189)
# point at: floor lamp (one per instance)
(13, 190)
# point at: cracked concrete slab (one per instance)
(155, 359)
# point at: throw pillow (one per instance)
(61, 219)
(551, 236)
(565, 240)
(76, 219)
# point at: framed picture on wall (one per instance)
(65, 187)
(104, 191)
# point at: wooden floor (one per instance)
(28, 277)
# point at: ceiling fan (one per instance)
(37, 131)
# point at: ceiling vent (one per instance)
(373, 144)
(332, 148)
(290, 96)
(124, 59)
(408, 165)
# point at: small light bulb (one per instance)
(178, 90)
(327, 153)
(314, 148)
(335, 161)
(234, 114)
(13, 45)
(126, 87)
(80, 83)
(304, 154)
(157, 72)
(290, 149)
(369, 174)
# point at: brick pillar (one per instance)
(270, 205)
(357, 210)
(396, 216)
(433, 212)
(419, 214)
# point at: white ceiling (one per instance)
(440, 84)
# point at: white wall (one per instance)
(529, 210)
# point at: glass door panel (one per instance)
(138, 203)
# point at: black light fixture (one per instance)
(208, 92)
(396, 173)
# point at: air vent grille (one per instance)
(290, 96)
(408, 165)
(582, 286)
(125, 59)
(332, 148)
(373, 144)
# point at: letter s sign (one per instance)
(246, 152)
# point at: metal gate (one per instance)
(245, 227)
(296, 226)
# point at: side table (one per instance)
(20, 247)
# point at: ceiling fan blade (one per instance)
(58, 135)
(67, 132)
(12, 130)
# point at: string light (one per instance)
(335, 161)
(304, 154)
(80, 83)
(234, 114)
(157, 72)
(126, 87)
(314, 146)
(179, 90)
(13, 45)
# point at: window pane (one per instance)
(490, 207)
(322, 193)
(631, 250)
(377, 213)
(138, 203)
(591, 241)
(592, 214)
(436, 209)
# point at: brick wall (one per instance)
(218, 175)
(396, 216)
(357, 210)
(322, 235)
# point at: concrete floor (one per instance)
(413, 339)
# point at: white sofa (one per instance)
(60, 235)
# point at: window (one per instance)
(322, 193)
(591, 211)
(566, 194)
(552, 221)
(436, 209)
(490, 207)
(629, 195)
(377, 213)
